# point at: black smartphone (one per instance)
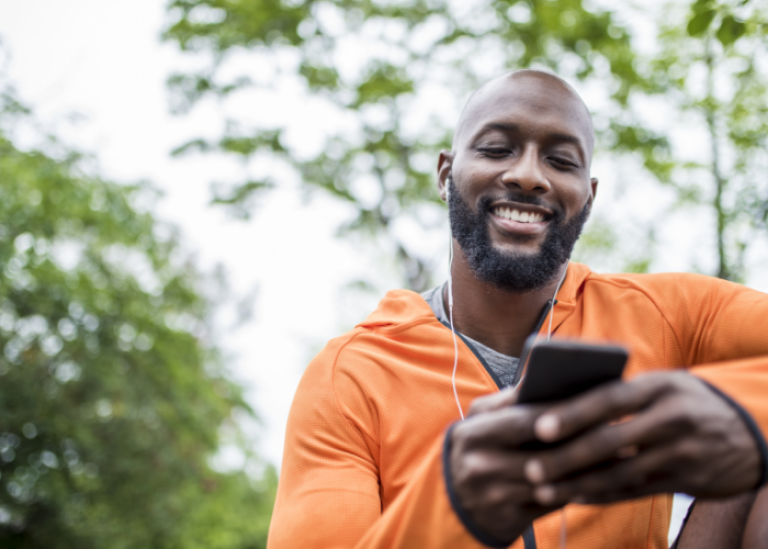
(561, 368)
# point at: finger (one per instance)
(501, 505)
(508, 427)
(490, 466)
(647, 473)
(500, 493)
(604, 443)
(495, 401)
(600, 405)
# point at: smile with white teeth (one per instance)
(517, 215)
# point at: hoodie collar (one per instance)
(403, 306)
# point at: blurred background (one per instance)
(196, 195)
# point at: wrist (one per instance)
(483, 522)
(755, 433)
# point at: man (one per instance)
(375, 455)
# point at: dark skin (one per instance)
(756, 529)
(544, 164)
(738, 521)
(729, 514)
(530, 133)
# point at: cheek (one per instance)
(574, 195)
(473, 177)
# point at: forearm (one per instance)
(756, 528)
(716, 523)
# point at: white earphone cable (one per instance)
(450, 301)
(552, 308)
(563, 518)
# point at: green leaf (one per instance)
(701, 5)
(700, 22)
(730, 30)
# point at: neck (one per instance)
(501, 320)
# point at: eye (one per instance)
(563, 163)
(493, 152)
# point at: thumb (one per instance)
(494, 401)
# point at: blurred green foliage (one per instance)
(384, 168)
(715, 68)
(112, 402)
(376, 58)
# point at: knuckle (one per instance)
(683, 416)
(491, 402)
(496, 495)
(477, 406)
(617, 393)
(561, 462)
(618, 397)
(655, 384)
(608, 440)
(687, 453)
(482, 404)
(700, 479)
(459, 436)
(476, 469)
(465, 469)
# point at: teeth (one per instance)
(516, 215)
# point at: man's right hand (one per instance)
(487, 465)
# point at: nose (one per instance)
(525, 173)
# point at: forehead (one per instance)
(536, 104)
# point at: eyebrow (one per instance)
(559, 137)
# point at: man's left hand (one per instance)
(660, 432)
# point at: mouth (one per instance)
(520, 219)
(513, 214)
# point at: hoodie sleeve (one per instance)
(329, 491)
(722, 330)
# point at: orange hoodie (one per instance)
(363, 468)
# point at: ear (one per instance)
(593, 183)
(444, 164)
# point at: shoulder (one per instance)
(672, 294)
(402, 326)
(662, 285)
(396, 352)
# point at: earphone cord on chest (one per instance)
(453, 332)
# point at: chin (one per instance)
(521, 249)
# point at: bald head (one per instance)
(536, 90)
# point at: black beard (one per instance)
(514, 273)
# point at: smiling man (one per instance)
(376, 455)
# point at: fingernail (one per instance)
(547, 427)
(545, 494)
(534, 471)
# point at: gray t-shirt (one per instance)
(503, 366)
